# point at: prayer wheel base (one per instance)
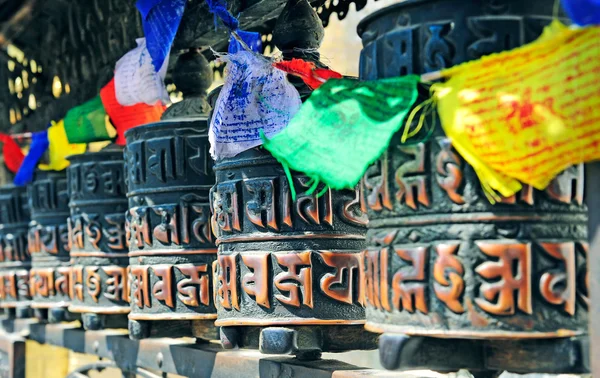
(61, 314)
(202, 329)
(23, 312)
(305, 342)
(485, 358)
(55, 315)
(97, 322)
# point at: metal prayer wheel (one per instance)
(48, 244)
(97, 238)
(289, 275)
(295, 264)
(450, 277)
(172, 250)
(15, 261)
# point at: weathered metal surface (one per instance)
(48, 241)
(592, 188)
(97, 234)
(284, 262)
(442, 261)
(12, 356)
(15, 261)
(185, 358)
(172, 248)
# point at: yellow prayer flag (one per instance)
(60, 148)
(526, 114)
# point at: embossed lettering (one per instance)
(227, 282)
(408, 283)
(411, 178)
(559, 288)
(76, 284)
(449, 173)
(139, 286)
(166, 160)
(226, 208)
(167, 231)
(61, 284)
(355, 210)
(140, 226)
(308, 205)
(256, 283)
(378, 194)
(115, 283)
(195, 287)
(297, 280)
(115, 234)
(568, 186)
(448, 272)
(162, 289)
(92, 282)
(260, 209)
(345, 285)
(513, 269)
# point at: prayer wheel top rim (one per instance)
(364, 23)
(99, 156)
(200, 121)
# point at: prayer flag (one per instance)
(13, 156)
(254, 97)
(527, 114)
(39, 145)
(343, 127)
(160, 21)
(126, 117)
(136, 79)
(87, 122)
(59, 148)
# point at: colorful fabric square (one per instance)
(59, 148)
(219, 9)
(527, 114)
(251, 39)
(160, 21)
(13, 156)
(87, 122)
(254, 97)
(39, 145)
(343, 127)
(583, 12)
(137, 81)
(307, 71)
(124, 118)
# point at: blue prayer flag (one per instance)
(39, 145)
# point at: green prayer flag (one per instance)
(87, 122)
(343, 127)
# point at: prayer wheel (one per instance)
(453, 281)
(171, 250)
(15, 261)
(289, 275)
(97, 239)
(48, 243)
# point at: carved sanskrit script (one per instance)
(292, 280)
(269, 205)
(506, 276)
(158, 284)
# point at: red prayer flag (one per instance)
(13, 156)
(124, 118)
(307, 71)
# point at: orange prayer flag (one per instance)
(127, 117)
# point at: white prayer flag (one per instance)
(136, 80)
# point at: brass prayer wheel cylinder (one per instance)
(97, 238)
(171, 244)
(284, 262)
(48, 243)
(442, 261)
(15, 261)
